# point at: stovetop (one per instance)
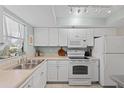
(78, 57)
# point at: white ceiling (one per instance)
(42, 15)
(35, 15)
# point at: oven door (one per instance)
(80, 70)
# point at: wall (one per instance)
(1, 21)
(29, 49)
(120, 31)
(48, 51)
(36, 15)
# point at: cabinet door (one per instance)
(89, 37)
(110, 31)
(44, 75)
(37, 83)
(63, 37)
(52, 71)
(53, 37)
(104, 31)
(29, 84)
(41, 37)
(63, 71)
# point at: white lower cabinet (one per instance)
(39, 77)
(44, 75)
(29, 84)
(52, 71)
(63, 71)
(57, 71)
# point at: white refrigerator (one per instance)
(110, 51)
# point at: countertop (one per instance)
(13, 78)
(58, 57)
(119, 79)
(51, 57)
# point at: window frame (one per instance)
(5, 32)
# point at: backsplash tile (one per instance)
(48, 50)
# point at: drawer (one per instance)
(79, 81)
(51, 63)
(63, 63)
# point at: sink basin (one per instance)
(28, 65)
(3, 57)
(25, 66)
(34, 61)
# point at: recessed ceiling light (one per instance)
(109, 11)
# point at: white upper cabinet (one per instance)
(63, 37)
(84, 31)
(90, 37)
(104, 32)
(41, 36)
(53, 37)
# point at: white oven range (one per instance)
(80, 72)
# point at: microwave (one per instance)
(77, 44)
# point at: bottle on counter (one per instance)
(37, 53)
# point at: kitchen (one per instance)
(65, 46)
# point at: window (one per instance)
(13, 32)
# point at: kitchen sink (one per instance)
(25, 66)
(34, 61)
(30, 64)
(3, 57)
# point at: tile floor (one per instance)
(59, 85)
